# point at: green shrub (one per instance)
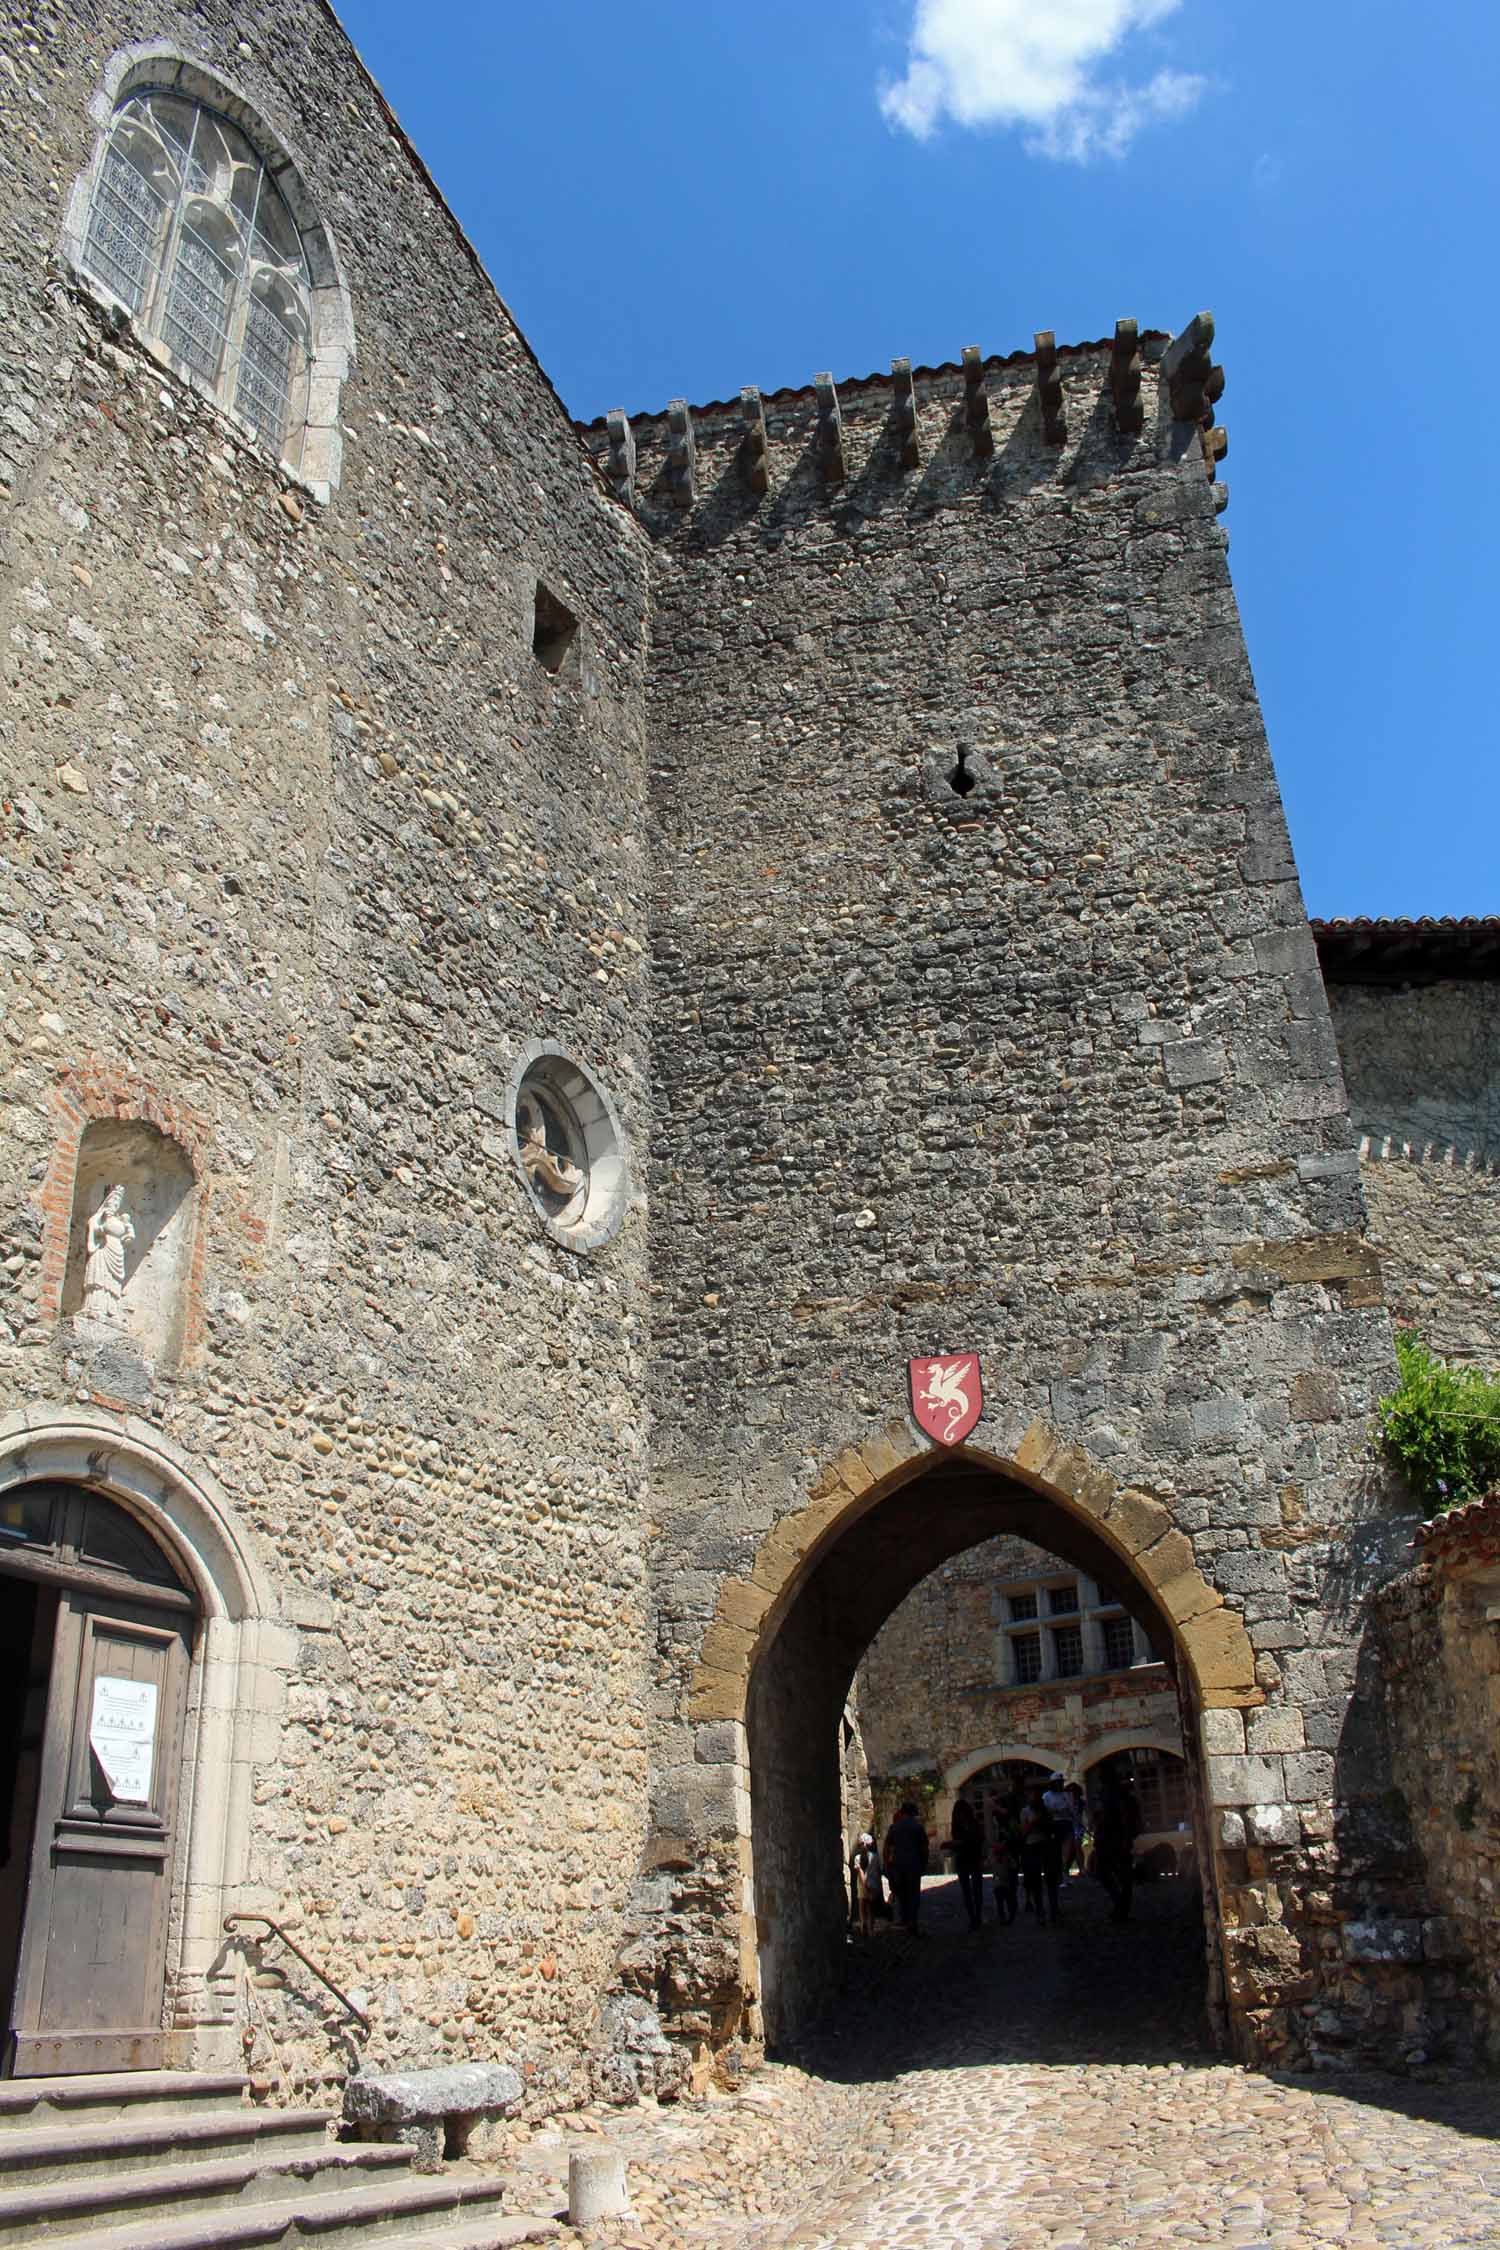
(1442, 1424)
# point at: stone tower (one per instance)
(987, 1020)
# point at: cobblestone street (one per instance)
(1043, 2089)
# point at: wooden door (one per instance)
(93, 1952)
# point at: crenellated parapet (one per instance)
(976, 428)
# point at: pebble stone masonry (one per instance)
(863, 789)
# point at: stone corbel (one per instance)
(904, 412)
(1125, 378)
(1049, 388)
(1193, 382)
(621, 468)
(682, 454)
(976, 405)
(753, 443)
(830, 431)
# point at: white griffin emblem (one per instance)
(945, 1388)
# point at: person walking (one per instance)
(1077, 1857)
(1058, 1807)
(1117, 1823)
(1007, 1863)
(869, 1881)
(906, 1854)
(1038, 1859)
(968, 1860)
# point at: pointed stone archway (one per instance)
(781, 1647)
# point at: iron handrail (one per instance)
(311, 1967)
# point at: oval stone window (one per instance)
(567, 1144)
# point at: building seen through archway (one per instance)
(1006, 1665)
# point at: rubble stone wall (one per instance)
(1422, 1065)
(303, 846)
(1438, 1629)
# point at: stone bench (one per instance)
(436, 2113)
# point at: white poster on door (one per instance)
(122, 1736)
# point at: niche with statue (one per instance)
(130, 1247)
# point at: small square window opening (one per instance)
(554, 631)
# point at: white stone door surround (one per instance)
(237, 1692)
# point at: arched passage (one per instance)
(784, 1646)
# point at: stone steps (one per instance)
(26, 2102)
(166, 2190)
(167, 2161)
(101, 2150)
(416, 2219)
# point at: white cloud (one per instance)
(1035, 67)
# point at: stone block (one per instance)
(1137, 1521)
(1037, 1449)
(1272, 1824)
(1315, 1396)
(743, 1604)
(1248, 1570)
(1309, 1776)
(726, 1647)
(1278, 1729)
(1223, 1734)
(406, 2098)
(1443, 1939)
(716, 1695)
(1194, 1062)
(1168, 1558)
(1397, 1939)
(1244, 1781)
(1218, 1417)
(1231, 1831)
(1188, 1596)
(720, 1743)
(1220, 1652)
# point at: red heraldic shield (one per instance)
(946, 1398)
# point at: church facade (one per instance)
(543, 967)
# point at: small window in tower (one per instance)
(554, 632)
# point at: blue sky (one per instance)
(678, 200)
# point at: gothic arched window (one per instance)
(194, 221)
(189, 230)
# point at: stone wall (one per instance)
(1021, 1052)
(1422, 1065)
(303, 847)
(1438, 1628)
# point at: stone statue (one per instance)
(110, 1234)
(554, 1172)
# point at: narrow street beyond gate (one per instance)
(1051, 2089)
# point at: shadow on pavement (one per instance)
(1087, 1990)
